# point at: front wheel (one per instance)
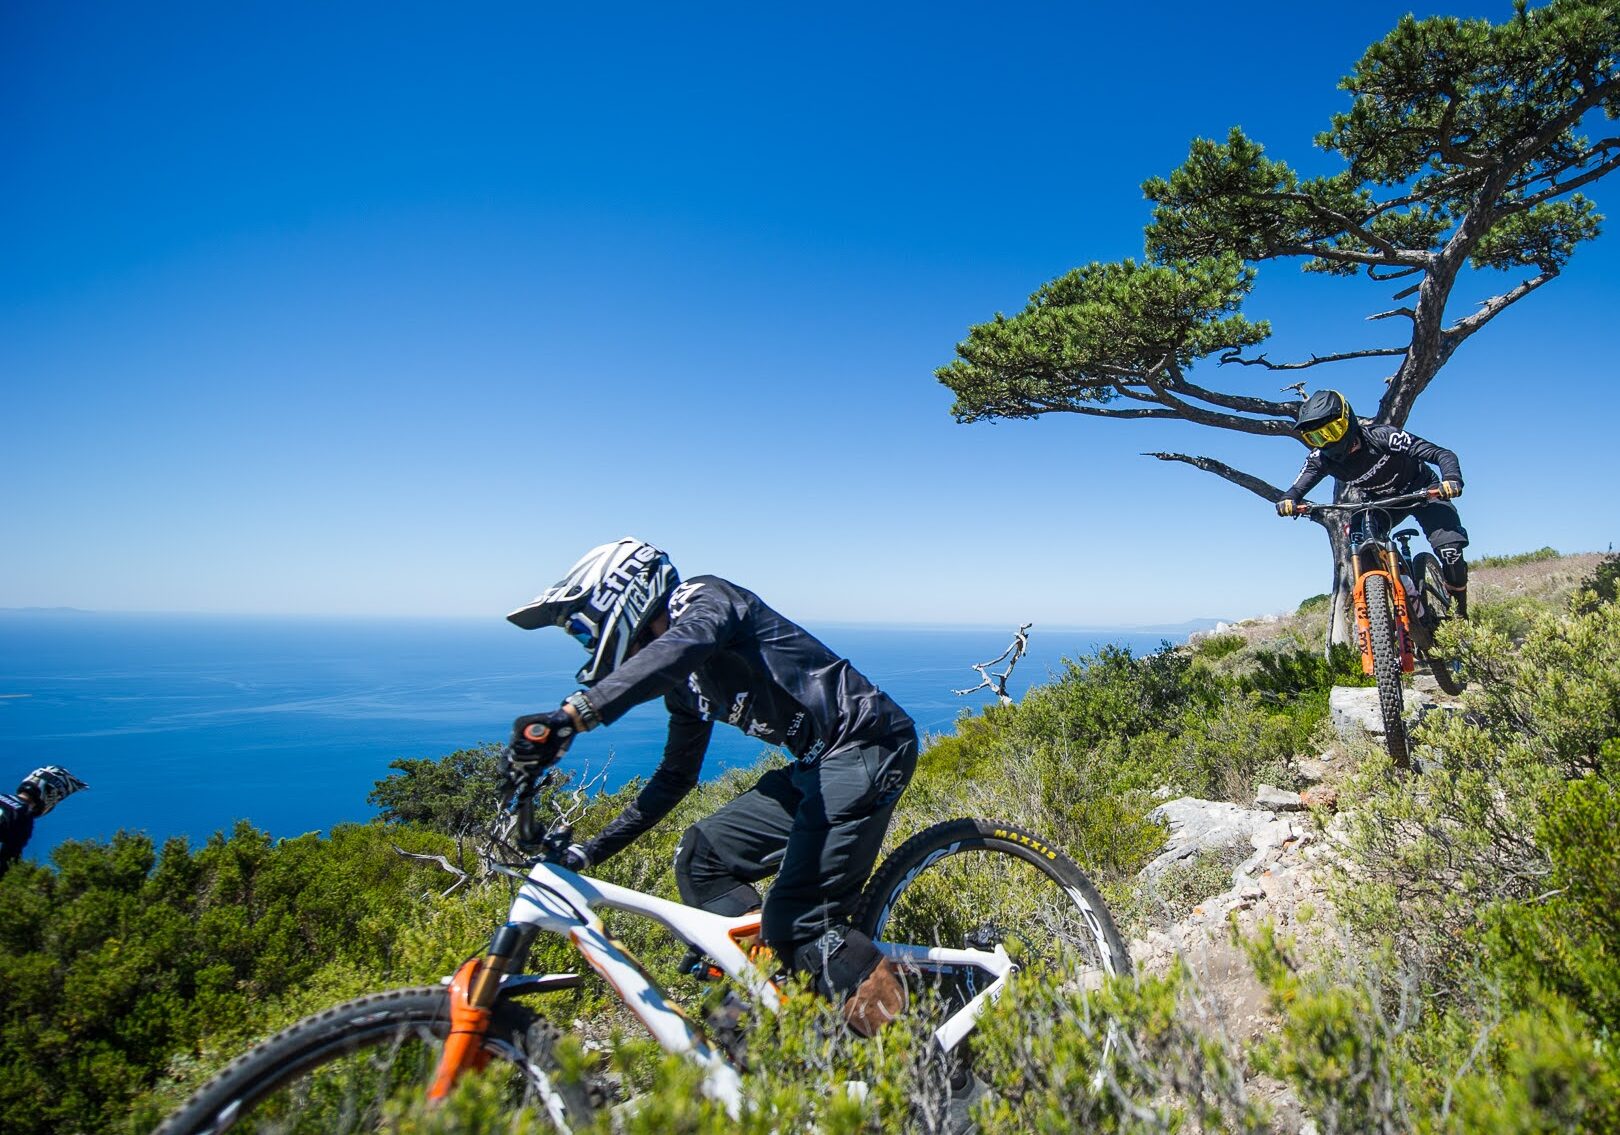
(360, 1066)
(978, 883)
(1386, 666)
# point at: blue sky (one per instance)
(396, 309)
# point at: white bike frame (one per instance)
(555, 899)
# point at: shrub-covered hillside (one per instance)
(1471, 985)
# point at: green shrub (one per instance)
(121, 959)
(1602, 586)
(1216, 647)
(1540, 555)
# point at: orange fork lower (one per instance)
(469, 1024)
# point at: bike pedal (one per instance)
(699, 967)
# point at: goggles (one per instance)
(1328, 432)
(581, 632)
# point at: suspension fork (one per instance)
(473, 990)
(1388, 565)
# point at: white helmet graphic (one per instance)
(604, 601)
(51, 784)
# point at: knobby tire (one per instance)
(1387, 667)
(967, 878)
(392, 1040)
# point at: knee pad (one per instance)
(706, 882)
(838, 961)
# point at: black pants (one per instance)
(1443, 528)
(817, 828)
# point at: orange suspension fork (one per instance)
(1403, 628)
(473, 990)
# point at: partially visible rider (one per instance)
(715, 652)
(1371, 461)
(39, 792)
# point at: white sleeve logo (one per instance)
(681, 598)
(1400, 440)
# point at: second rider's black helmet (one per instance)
(1326, 422)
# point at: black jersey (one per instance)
(1386, 462)
(16, 825)
(729, 657)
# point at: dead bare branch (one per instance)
(997, 683)
(462, 877)
(1315, 360)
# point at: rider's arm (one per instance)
(1423, 450)
(677, 774)
(702, 619)
(1309, 474)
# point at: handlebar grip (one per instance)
(536, 733)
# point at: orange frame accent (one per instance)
(469, 1024)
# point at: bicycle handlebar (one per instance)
(1304, 508)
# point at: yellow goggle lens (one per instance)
(1327, 433)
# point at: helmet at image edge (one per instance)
(604, 601)
(52, 784)
(1326, 422)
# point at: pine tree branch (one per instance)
(1237, 402)
(1318, 360)
(1490, 309)
(1402, 258)
(1558, 189)
(1209, 465)
(1188, 412)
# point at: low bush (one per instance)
(1540, 555)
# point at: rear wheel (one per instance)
(1386, 666)
(362, 1065)
(979, 883)
(1437, 601)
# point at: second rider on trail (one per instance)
(1372, 461)
(714, 651)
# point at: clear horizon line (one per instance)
(1144, 627)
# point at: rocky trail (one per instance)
(1283, 846)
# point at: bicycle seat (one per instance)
(1407, 534)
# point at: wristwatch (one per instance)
(588, 717)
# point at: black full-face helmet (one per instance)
(1326, 422)
(605, 602)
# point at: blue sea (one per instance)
(183, 724)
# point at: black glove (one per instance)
(576, 858)
(1286, 507)
(1450, 490)
(539, 740)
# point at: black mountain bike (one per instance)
(1400, 600)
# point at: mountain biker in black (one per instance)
(715, 652)
(39, 792)
(1372, 461)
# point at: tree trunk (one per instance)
(1341, 616)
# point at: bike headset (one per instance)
(605, 602)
